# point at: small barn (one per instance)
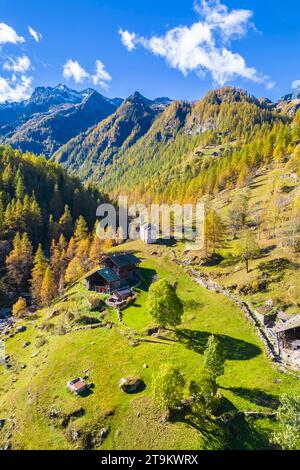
(103, 280)
(288, 339)
(123, 294)
(77, 386)
(124, 265)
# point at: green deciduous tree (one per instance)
(288, 417)
(203, 391)
(213, 358)
(164, 304)
(167, 387)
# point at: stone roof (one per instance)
(123, 260)
(108, 274)
(294, 322)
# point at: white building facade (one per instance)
(148, 233)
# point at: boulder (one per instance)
(21, 328)
(74, 435)
(107, 413)
(104, 432)
(54, 413)
(26, 344)
(131, 384)
(152, 330)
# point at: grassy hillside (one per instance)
(273, 219)
(41, 413)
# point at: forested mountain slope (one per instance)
(91, 152)
(39, 203)
(194, 149)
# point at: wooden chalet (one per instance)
(123, 264)
(119, 269)
(103, 280)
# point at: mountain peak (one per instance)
(228, 94)
(137, 97)
(61, 86)
(58, 94)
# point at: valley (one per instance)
(240, 157)
(30, 395)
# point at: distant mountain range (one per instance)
(51, 117)
(140, 130)
(88, 132)
(54, 115)
(94, 150)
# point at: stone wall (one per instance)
(213, 286)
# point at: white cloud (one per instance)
(19, 65)
(35, 34)
(73, 70)
(233, 23)
(9, 35)
(127, 39)
(14, 89)
(101, 76)
(203, 46)
(295, 85)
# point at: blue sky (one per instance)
(171, 48)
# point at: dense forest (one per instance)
(217, 145)
(44, 214)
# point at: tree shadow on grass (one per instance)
(192, 304)
(276, 266)
(255, 395)
(167, 242)
(238, 433)
(242, 434)
(147, 275)
(234, 349)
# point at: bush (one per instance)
(19, 308)
(48, 326)
(95, 302)
(41, 341)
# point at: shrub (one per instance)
(41, 341)
(19, 308)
